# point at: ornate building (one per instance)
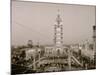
(58, 48)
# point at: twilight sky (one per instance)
(35, 21)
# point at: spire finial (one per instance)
(58, 19)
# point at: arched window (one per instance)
(58, 51)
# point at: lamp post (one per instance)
(69, 59)
(39, 51)
(34, 64)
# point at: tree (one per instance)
(30, 43)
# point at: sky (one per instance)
(35, 21)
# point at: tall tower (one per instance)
(58, 33)
(94, 39)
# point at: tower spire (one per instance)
(58, 35)
(58, 19)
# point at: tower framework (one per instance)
(58, 34)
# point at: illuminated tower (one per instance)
(58, 33)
